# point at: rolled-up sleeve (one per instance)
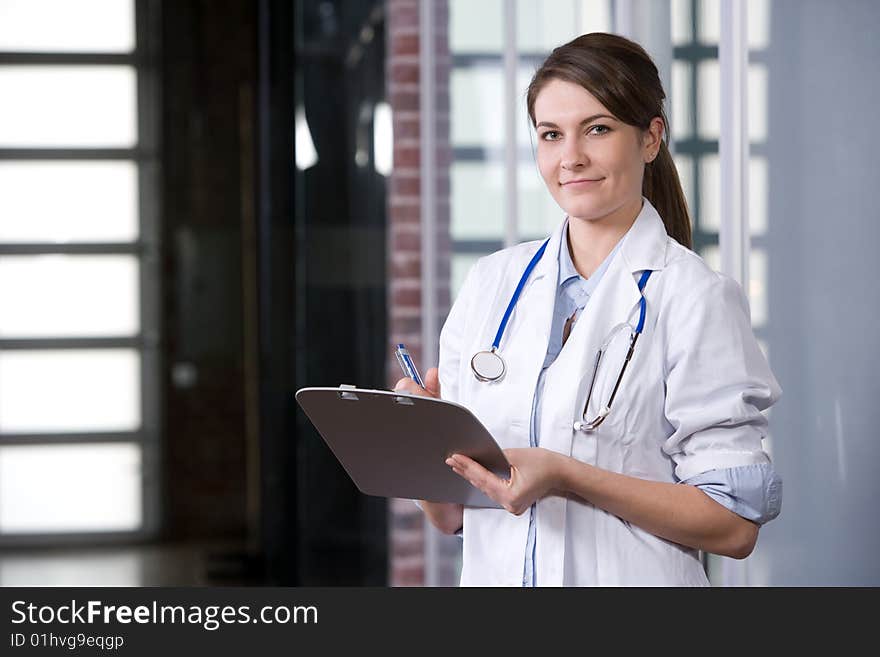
(717, 383)
(751, 491)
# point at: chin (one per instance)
(592, 209)
(586, 212)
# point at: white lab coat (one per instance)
(689, 402)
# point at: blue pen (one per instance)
(407, 364)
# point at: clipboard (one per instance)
(393, 444)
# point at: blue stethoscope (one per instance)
(489, 366)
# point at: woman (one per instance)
(622, 472)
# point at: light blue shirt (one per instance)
(752, 491)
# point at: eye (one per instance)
(550, 135)
(598, 130)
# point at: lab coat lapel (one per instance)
(615, 300)
(644, 246)
(531, 329)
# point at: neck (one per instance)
(591, 240)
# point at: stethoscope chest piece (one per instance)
(488, 366)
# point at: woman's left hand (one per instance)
(534, 472)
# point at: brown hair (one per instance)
(622, 76)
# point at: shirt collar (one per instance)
(567, 270)
(643, 247)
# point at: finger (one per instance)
(408, 385)
(478, 476)
(432, 381)
(402, 385)
(469, 465)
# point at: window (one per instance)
(78, 270)
(485, 62)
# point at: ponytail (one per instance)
(662, 187)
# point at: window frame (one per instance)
(147, 248)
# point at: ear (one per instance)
(651, 139)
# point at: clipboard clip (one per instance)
(347, 395)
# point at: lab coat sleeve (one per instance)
(452, 338)
(717, 380)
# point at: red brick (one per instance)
(411, 283)
(406, 268)
(399, 88)
(406, 325)
(397, 200)
(402, 15)
(408, 576)
(406, 312)
(405, 186)
(405, 214)
(405, 44)
(407, 129)
(407, 242)
(395, 5)
(407, 298)
(412, 60)
(407, 156)
(406, 547)
(405, 100)
(404, 73)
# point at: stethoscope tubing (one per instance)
(495, 358)
(519, 288)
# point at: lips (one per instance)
(581, 182)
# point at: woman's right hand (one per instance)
(445, 516)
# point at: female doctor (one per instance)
(619, 373)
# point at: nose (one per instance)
(573, 156)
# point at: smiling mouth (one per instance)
(581, 181)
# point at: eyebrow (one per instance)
(589, 119)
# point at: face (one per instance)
(592, 163)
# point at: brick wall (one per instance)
(407, 532)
